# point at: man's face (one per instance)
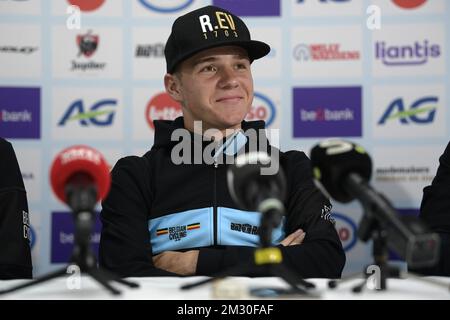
(215, 86)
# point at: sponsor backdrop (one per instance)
(375, 72)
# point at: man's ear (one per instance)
(173, 84)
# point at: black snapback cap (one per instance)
(205, 28)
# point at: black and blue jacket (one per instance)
(156, 205)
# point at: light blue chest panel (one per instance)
(195, 229)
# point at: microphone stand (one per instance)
(370, 227)
(82, 255)
(266, 258)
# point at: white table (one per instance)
(168, 288)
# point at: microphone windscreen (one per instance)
(333, 160)
(79, 159)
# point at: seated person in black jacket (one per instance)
(15, 256)
(435, 212)
(166, 218)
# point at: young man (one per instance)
(15, 256)
(163, 217)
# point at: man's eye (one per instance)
(241, 66)
(209, 68)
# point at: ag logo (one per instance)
(262, 109)
(100, 114)
(162, 107)
(422, 111)
(346, 230)
(87, 5)
(409, 4)
(87, 43)
(166, 6)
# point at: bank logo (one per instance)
(87, 5)
(177, 233)
(164, 6)
(328, 112)
(100, 113)
(262, 109)
(409, 4)
(324, 52)
(251, 8)
(162, 107)
(421, 111)
(346, 229)
(413, 54)
(20, 113)
(63, 237)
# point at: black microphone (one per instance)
(343, 169)
(254, 189)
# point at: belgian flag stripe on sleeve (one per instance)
(193, 226)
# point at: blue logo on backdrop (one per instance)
(327, 112)
(417, 53)
(346, 229)
(162, 6)
(94, 116)
(422, 111)
(326, 1)
(32, 237)
(262, 109)
(251, 8)
(20, 113)
(62, 236)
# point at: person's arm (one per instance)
(125, 246)
(15, 253)
(435, 206)
(435, 212)
(320, 255)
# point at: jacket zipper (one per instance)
(215, 200)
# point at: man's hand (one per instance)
(294, 238)
(182, 263)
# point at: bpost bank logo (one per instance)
(100, 113)
(409, 4)
(421, 111)
(178, 232)
(328, 112)
(324, 52)
(324, 1)
(162, 107)
(63, 237)
(87, 5)
(20, 113)
(262, 109)
(166, 6)
(346, 229)
(251, 8)
(414, 54)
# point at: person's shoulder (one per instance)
(6, 148)
(294, 156)
(130, 163)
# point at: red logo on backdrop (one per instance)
(409, 4)
(87, 43)
(87, 5)
(162, 107)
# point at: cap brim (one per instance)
(255, 49)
